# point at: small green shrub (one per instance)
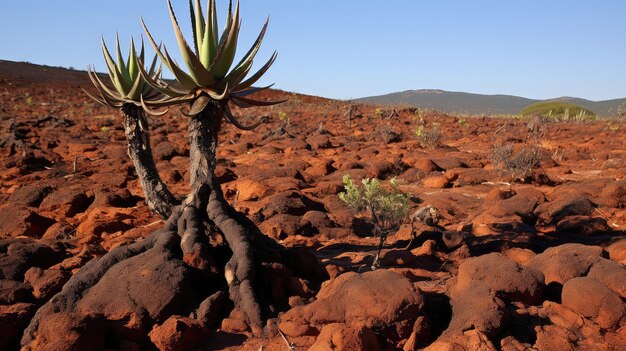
(385, 208)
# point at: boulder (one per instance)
(567, 204)
(340, 337)
(562, 263)
(594, 300)
(503, 277)
(12, 292)
(381, 300)
(69, 331)
(16, 220)
(66, 201)
(178, 334)
(611, 274)
(143, 288)
(46, 283)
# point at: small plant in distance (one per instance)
(385, 208)
(462, 122)
(378, 113)
(621, 112)
(428, 136)
(284, 119)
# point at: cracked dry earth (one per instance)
(510, 266)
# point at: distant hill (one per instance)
(448, 101)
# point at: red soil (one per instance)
(511, 266)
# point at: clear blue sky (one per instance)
(354, 48)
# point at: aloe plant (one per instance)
(210, 75)
(129, 86)
(129, 93)
(209, 82)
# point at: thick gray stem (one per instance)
(158, 196)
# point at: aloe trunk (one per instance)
(157, 195)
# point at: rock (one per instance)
(476, 308)
(617, 251)
(436, 182)
(13, 292)
(426, 165)
(143, 288)
(421, 333)
(381, 169)
(497, 194)
(121, 198)
(317, 219)
(292, 203)
(30, 195)
(611, 274)
(46, 283)
(321, 169)
(66, 201)
(178, 334)
(22, 221)
(519, 255)
(592, 299)
(381, 300)
(340, 337)
(164, 151)
(613, 195)
(471, 339)
(583, 225)
(282, 226)
(562, 263)
(469, 176)
(103, 220)
(250, 190)
(447, 163)
(210, 309)
(13, 319)
(555, 338)
(234, 325)
(69, 331)
(23, 254)
(567, 204)
(503, 277)
(319, 141)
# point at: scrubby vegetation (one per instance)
(559, 111)
(385, 208)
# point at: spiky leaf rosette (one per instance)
(210, 73)
(129, 85)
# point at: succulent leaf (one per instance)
(210, 72)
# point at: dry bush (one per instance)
(515, 164)
(429, 136)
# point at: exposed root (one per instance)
(239, 270)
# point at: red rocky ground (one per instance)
(511, 266)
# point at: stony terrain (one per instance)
(510, 266)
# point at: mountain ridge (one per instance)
(473, 103)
